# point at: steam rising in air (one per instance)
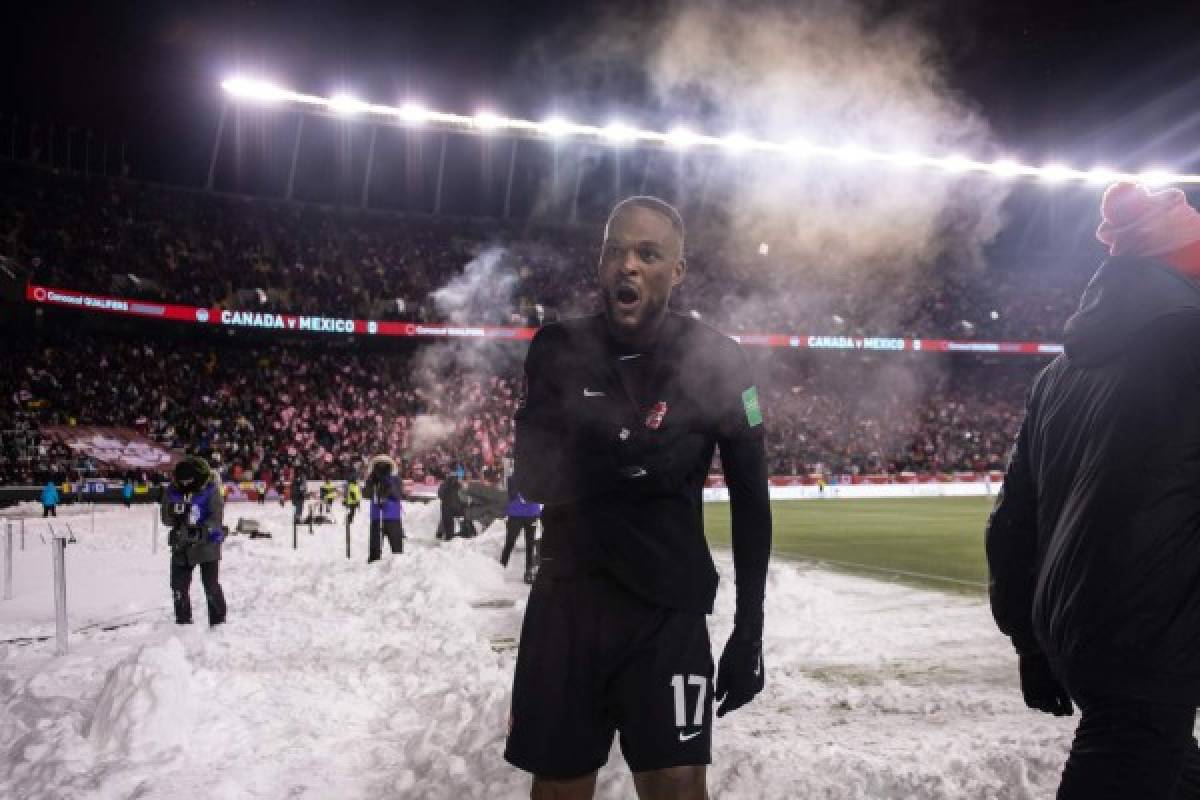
(813, 245)
(452, 376)
(822, 71)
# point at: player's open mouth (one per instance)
(627, 296)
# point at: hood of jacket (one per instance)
(1123, 297)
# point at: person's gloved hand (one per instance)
(740, 673)
(1043, 691)
(215, 535)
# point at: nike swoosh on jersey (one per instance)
(591, 393)
(683, 737)
(626, 358)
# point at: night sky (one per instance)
(1113, 80)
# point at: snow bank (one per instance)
(148, 703)
(335, 678)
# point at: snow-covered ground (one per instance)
(339, 679)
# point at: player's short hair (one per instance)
(654, 204)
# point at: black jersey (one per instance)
(617, 445)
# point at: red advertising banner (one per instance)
(265, 320)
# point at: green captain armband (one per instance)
(753, 410)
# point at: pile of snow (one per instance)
(147, 703)
(335, 678)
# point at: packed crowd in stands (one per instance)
(263, 412)
(151, 242)
(255, 413)
(873, 419)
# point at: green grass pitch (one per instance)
(935, 543)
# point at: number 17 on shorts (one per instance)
(695, 689)
(666, 697)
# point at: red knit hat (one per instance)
(1138, 222)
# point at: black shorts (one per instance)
(596, 659)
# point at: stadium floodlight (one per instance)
(737, 143)
(1005, 168)
(1056, 173)
(799, 148)
(556, 127)
(346, 104)
(412, 113)
(487, 120)
(251, 89)
(957, 163)
(1155, 178)
(1102, 176)
(852, 153)
(617, 132)
(254, 90)
(906, 159)
(680, 137)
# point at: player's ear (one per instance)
(679, 271)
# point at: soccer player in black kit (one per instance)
(615, 435)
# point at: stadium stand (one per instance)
(265, 409)
(168, 244)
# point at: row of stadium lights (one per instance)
(618, 133)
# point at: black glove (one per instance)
(1043, 691)
(740, 674)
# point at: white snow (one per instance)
(339, 679)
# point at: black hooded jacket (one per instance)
(1094, 543)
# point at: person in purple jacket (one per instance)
(386, 492)
(522, 516)
(193, 509)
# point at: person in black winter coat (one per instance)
(522, 517)
(299, 492)
(1094, 543)
(193, 509)
(450, 495)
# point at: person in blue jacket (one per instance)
(127, 492)
(522, 516)
(49, 500)
(386, 491)
(193, 508)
